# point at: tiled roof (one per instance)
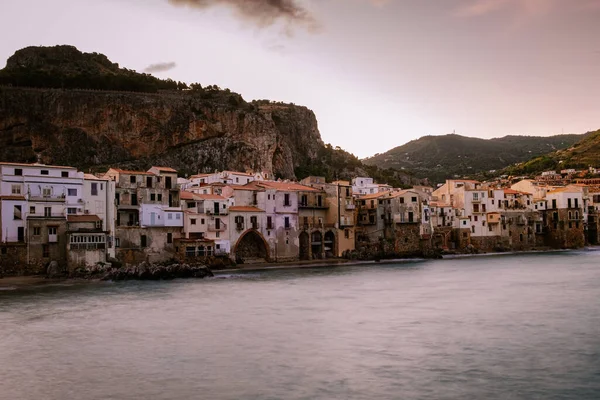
(285, 186)
(165, 169)
(128, 172)
(245, 209)
(209, 197)
(199, 176)
(372, 196)
(83, 218)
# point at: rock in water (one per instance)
(53, 270)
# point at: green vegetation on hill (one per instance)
(581, 155)
(333, 163)
(442, 157)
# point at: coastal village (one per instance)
(59, 214)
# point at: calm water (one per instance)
(505, 327)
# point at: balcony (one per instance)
(310, 205)
(350, 206)
(51, 198)
(212, 227)
(53, 238)
(239, 226)
(346, 221)
(403, 219)
(46, 215)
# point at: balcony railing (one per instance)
(239, 226)
(350, 206)
(47, 215)
(212, 227)
(346, 222)
(48, 198)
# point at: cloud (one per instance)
(477, 8)
(160, 67)
(261, 12)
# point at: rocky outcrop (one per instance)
(134, 130)
(144, 271)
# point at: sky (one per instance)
(377, 73)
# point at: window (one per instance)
(45, 251)
(152, 197)
(64, 174)
(576, 203)
(71, 210)
(520, 237)
(94, 189)
(489, 228)
(287, 222)
(169, 215)
(569, 203)
(473, 229)
(47, 192)
(4, 251)
(347, 233)
(269, 222)
(18, 172)
(132, 179)
(553, 203)
(72, 192)
(117, 242)
(98, 224)
(401, 200)
(202, 221)
(413, 199)
(16, 189)
(51, 230)
(32, 210)
(17, 213)
(177, 216)
(47, 211)
(286, 200)
(169, 238)
(44, 172)
(159, 197)
(149, 181)
(193, 221)
(475, 196)
(143, 241)
(37, 231)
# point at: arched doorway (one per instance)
(252, 248)
(304, 246)
(329, 244)
(316, 239)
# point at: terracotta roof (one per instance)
(238, 173)
(565, 190)
(36, 165)
(199, 176)
(245, 209)
(12, 197)
(91, 177)
(372, 196)
(128, 172)
(183, 195)
(83, 218)
(209, 197)
(285, 186)
(165, 169)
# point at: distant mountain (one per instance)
(440, 157)
(581, 155)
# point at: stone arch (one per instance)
(304, 246)
(252, 247)
(329, 242)
(316, 244)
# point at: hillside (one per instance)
(581, 155)
(440, 157)
(61, 106)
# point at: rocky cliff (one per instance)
(183, 130)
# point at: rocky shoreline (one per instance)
(143, 272)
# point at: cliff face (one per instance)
(181, 129)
